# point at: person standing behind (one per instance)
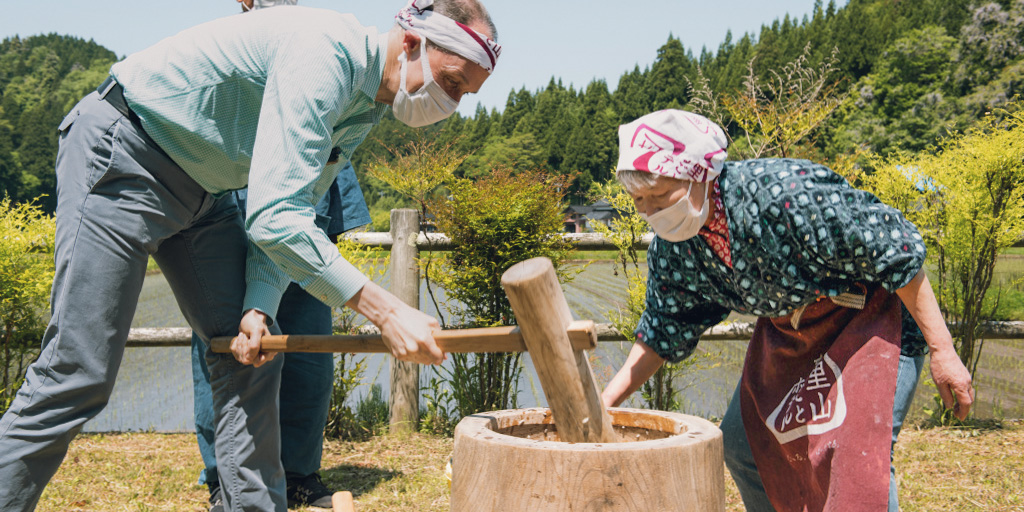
(306, 378)
(145, 166)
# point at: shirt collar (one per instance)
(376, 68)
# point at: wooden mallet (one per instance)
(546, 329)
(342, 502)
(564, 370)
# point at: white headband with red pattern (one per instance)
(673, 143)
(449, 34)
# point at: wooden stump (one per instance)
(513, 461)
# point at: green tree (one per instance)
(669, 74)
(992, 39)
(519, 150)
(901, 104)
(968, 201)
(493, 223)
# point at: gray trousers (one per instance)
(119, 200)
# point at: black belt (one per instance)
(113, 93)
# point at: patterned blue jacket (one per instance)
(797, 232)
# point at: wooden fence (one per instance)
(404, 241)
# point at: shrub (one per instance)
(26, 275)
(967, 198)
(342, 421)
(493, 223)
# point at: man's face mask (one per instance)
(429, 104)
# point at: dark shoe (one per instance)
(308, 491)
(216, 501)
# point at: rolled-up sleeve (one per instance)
(674, 317)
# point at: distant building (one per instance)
(580, 218)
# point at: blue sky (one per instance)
(572, 40)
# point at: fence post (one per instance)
(405, 284)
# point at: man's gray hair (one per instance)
(465, 12)
(636, 181)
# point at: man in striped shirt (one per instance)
(306, 378)
(146, 166)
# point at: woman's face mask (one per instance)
(429, 104)
(680, 221)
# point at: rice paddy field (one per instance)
(153, 391)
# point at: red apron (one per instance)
(817, 404)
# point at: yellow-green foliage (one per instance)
(417, 169)
(342, 421)
(778, 115)
(494, 223)
(967, 199)
(26, 274)
(625, 232)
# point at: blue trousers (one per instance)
(120, 199)
(740, 460)
(304, 398)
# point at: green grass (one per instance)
(976, 468)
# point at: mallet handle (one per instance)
(582, 335)
(341, 501)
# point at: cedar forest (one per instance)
(905, 73)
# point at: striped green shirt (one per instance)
(260, 100)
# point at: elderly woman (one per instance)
(831, 368)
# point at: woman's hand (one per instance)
(953, 381)
(948, 372)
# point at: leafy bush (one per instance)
(967, 199)
(26, 275)
(493, 223)
(373, 412)
(342, 422)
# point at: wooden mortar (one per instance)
(513, 461)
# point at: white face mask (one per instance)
(429, 104)
(679, 222)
